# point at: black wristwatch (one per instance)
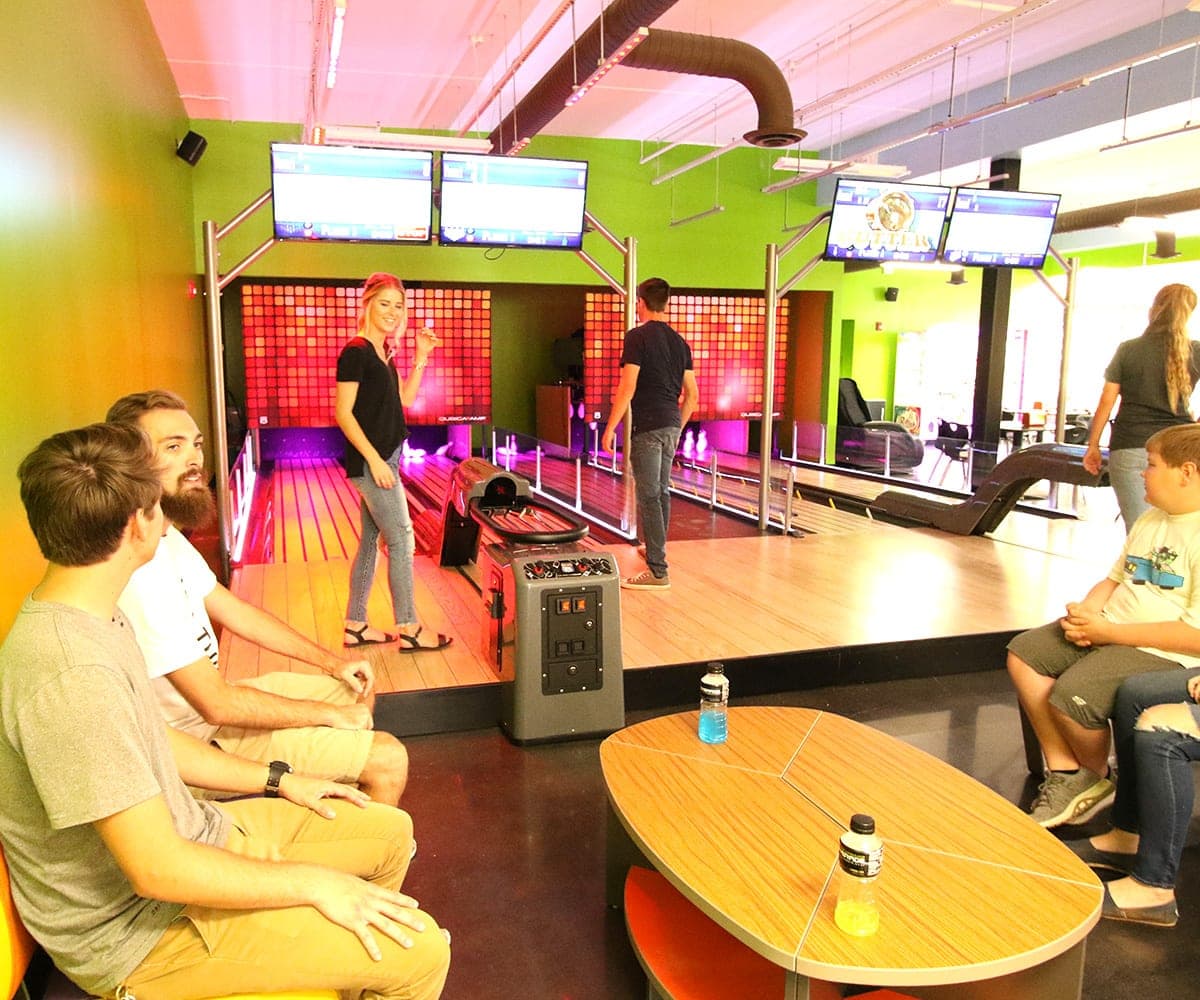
(278, 768)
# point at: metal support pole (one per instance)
(712, 485)
(216, 392)
(537, 468)
(887, 454)
(630, 321)
(791, 493)
(768, 383)
(578, 483)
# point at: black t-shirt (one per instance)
(662, 356)
(377, 406)
(1139, 368)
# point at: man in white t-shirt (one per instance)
(1143, 617)
(321, 725)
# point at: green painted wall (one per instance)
(722, 251)
(96, 245)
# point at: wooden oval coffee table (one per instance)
(976, 900)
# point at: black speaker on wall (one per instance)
(891, 293)
(191, 147)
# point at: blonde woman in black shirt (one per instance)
(369, 409)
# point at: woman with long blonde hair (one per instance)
(1154, 376)
(369, 409)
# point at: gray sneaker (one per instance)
(646, 580)
(1070, 798)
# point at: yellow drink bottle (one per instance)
(860, 858)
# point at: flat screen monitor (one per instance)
(993, 228)
(505, 201)
(351, 193)
(886, 220)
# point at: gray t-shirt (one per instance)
(82, 738)
(1139, 368)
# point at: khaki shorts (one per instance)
(1086, 677)
(315, 751)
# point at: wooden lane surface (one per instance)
(730, 597)
(767, 594)
(971, 887)
(311, 597)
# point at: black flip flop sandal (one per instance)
(358, 637)
(412, 644)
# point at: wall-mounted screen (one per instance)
(351, 193)
(886, 220)
(505, 201)
(996, 228)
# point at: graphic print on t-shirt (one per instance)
(1155, 567)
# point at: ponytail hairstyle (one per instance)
(375, 284)
(1169, 314)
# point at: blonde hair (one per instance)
(1176, 445)
(376, 283)
(1169, 314)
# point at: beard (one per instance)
(190, 508)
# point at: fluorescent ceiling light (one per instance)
(1147, 138)
(1179, 223)
(1003, 6)
(361, 135)
(619, 53)
(806, 165)
(335, 41)
(1149, 223)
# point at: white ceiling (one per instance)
(853, 66)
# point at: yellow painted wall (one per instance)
(96, 246)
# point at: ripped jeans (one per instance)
(1155, 792)
(384, 512)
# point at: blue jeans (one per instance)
(1125, 467)
(1154, 776)
(650, 456)
(384, 512)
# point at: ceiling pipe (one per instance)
(703, 55)
(670, 51)
(547, 97)
(1118, 212)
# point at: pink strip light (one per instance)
(631, 43)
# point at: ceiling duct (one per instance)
(702, 55)
(1164, 246)
(548, 96)
(671, 51)
(1115, 214)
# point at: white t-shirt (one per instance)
(1158, 575)
(164, 601)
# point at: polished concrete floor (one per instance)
(512, 849)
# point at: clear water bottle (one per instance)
(860, 858)
(714, 704)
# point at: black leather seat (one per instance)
(865, 443)
(954, 443)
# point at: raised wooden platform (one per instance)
(853, 599)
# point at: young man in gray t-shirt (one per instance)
(118, 872)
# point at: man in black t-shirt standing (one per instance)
(658, 387)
